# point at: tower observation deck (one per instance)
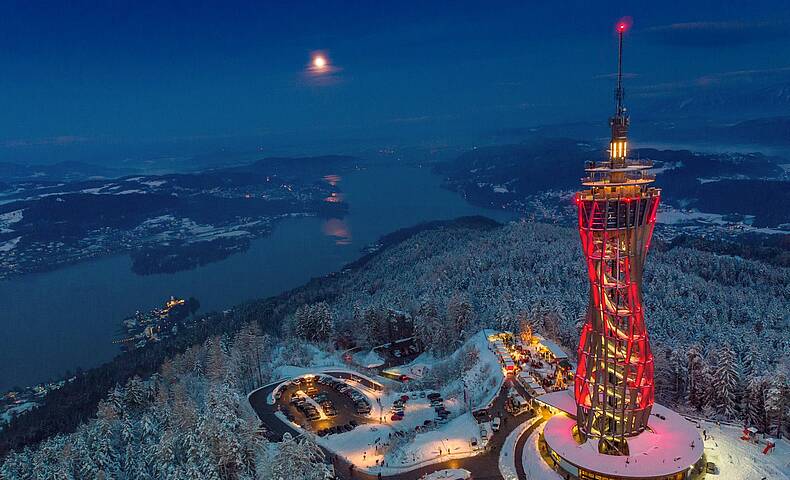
(617, 212)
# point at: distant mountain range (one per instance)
(61, 172)
(517, 176)
(720, 102)
(755, 132)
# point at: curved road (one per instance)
(520, 443)
(483, 466)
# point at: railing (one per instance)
(631, 178)
(628, 163)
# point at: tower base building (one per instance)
(669, 448)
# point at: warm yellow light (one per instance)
(319, 61)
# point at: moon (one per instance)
(319, 62)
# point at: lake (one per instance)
(61, 320)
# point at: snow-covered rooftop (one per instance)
(561, 400)
(671, 444)
(555, 349)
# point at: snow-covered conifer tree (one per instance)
(726, 393)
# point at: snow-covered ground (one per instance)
(672, 216)
(534, 466)
(8, 219)
(154, 183)
(394, 446)
(16, 410)
(448, 474)
(741, 460)
(11, 217)
(369, 359)
(372, 445)
(507, 456)
(9, 245)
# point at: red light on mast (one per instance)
(623, 24)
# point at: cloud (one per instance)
(59, 140)
(730, 79)
(719, 34)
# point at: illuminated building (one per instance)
(610, 428)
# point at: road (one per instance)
(520, 443)
(483, 466)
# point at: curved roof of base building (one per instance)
(669, 445)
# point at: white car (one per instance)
(495, 423)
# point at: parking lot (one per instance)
(398, 353)
(323, 404)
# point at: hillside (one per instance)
(537, 178)
(696, 302)
(166, 222)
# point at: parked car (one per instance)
(495, 423)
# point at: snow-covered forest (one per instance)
(718, 324)
(718, 328)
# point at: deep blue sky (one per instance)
(135, 72)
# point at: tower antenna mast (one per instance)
(619, 93)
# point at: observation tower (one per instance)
(608, 426)
(617, 212)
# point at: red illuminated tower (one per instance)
(617, 212)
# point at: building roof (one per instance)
(561, 400)
(555, 349)
(671, 444)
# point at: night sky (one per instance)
(127, 72)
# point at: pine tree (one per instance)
(777, 402)
(374, 327)
(135, 394)
(296, 458)
(726, 384)
(460, 315)
(678, 372)
(323, 323)
(698, 378)
(754, 403)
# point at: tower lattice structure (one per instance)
(613, 386)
